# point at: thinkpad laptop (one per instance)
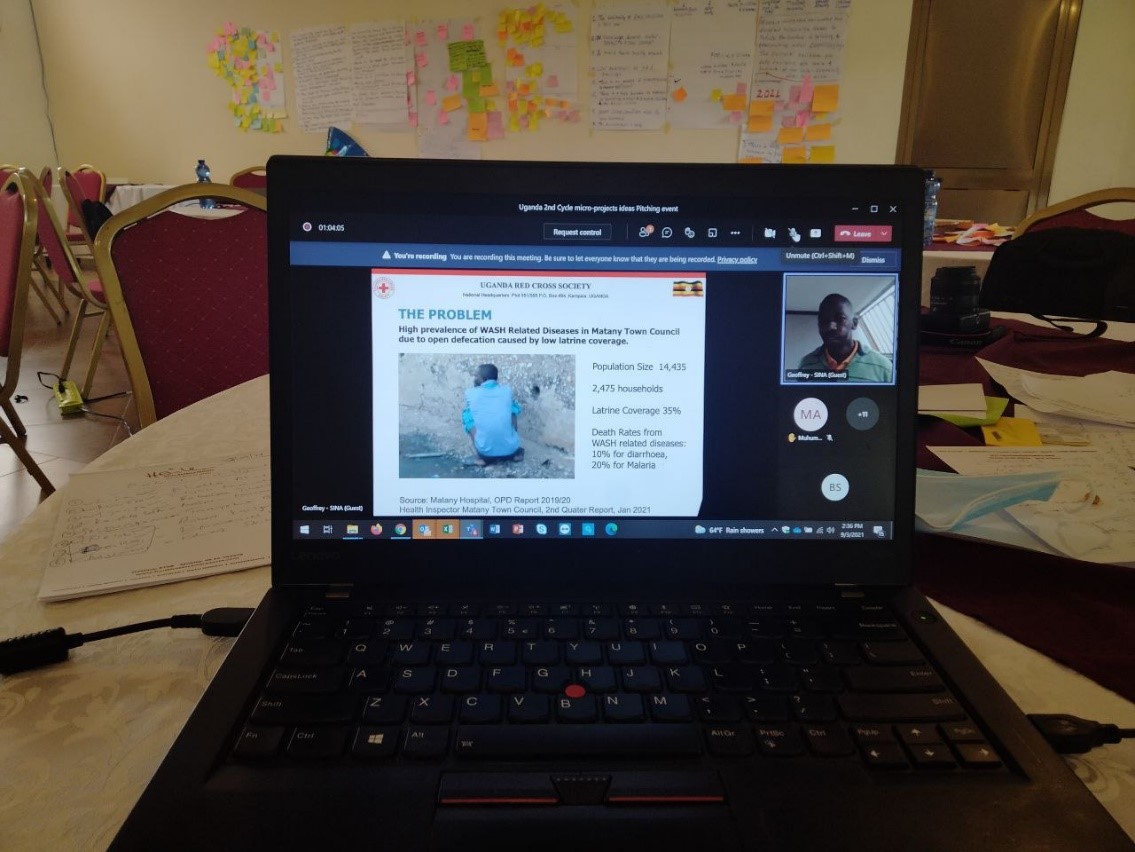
(592, 521)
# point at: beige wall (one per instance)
(25, 135)
(130, 90)
(1097, 134)
(143, 104)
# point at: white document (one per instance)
(1103, 397)
(380, 64)
(711, 58)
(321, 62)
(629, 59)
(1057, 429)
(122, 529)
(967, 399)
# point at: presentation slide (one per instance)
(537, 394)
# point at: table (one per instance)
(128, 194)
(80, 740)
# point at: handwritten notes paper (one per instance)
(124, 529)
(321, 59)
(711, 62)
(380, 59)
(629, 58)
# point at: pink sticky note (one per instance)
(741, 89)
(442, 117)
(553, 81)
(431, 97)
(802, 118)
(495, 128)
(734, 118)
(788, 121)
(420, 38)
(230, 29)
(806, 89)
(573, 116)
(524, 121)
(411, 78)
(467, 32)
(443, 32)
(420, 58)
(413, 119)
(794, 94)
(452, 83)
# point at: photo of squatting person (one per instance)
(856, 340)
(487, 415)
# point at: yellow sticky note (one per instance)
(477, 130)
(733, 103)
(822, 154)
(451, 102)
(790, 135)
(490, 91)
(751, 160)
(818, 132)
(715, 95)
(679, 94)
(761, 108)
(760, 123)
(1012, 432)
(794, 154)
(825, 98)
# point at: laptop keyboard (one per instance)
(503, 682)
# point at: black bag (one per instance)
(1065, 272)
(95, 213)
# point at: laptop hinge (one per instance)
(338, 592)
(849, 590)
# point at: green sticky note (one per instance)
(464, 55)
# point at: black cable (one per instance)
(1073, 735)
(22, 653)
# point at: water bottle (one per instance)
(930, 207)
(205, 176)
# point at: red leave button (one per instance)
(864, 233)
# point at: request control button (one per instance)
(576, 231)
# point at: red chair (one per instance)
(188, 291)
(253, 178)
(75, 194)
(18, 215)
(1075, 213)
(57, 263)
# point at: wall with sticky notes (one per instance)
(145, 89)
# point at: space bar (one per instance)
(535, 741)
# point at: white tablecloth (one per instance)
(80, 740)
(129, 194)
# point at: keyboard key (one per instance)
(893, 679)
(367, 652)
(304, 709)
(627, 653)
(599, 629)
(369, 679)
(962, 732)
(583, 653)
(668, 652)
(577, 710)
(384, 709)
(258, 742)
(932, 755)
(884, 756)
(623, 708)
(541, 653)
(912, 735)
(641, 628)
(550, 679)
(454, 653)
(311, 653)
(597, 678)
(316, 743)
(718, 708)
(685, 679)
(711, 651)
(977, 755)
(669, 708)
(373, 743)
(730, 677)
(779, 741)
(520, 742)
(766, 708)
(507, 679)
(410, 653)
(729, 740)
(528, 708)
(460, 679)
(479, 709)
(755, 651)
(813, 707)
(502, 653)
(414, 681)
(425, 743)
(431, 709)
(934, 707)
(323, 681)
(827, 740)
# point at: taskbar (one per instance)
(481, 529)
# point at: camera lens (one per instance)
(954, 290)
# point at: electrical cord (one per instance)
(1072, 735)
(22, 653)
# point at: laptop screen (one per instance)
(516, 358)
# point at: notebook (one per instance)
(592, 491)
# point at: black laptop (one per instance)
(592, 519)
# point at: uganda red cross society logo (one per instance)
(383, 286)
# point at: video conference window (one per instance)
(537, 393)
(839, 329)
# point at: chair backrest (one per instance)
(1074, 213)
(7, 170)
(74, 195)
(47, 179)
(53, 240)
(255, 177)
(93, 182)
(17, 243)
(188, 294)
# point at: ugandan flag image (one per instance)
(689, 288)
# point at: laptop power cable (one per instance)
(1073, 735)
(23, 653)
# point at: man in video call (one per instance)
(841, 352)
(490, 416)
